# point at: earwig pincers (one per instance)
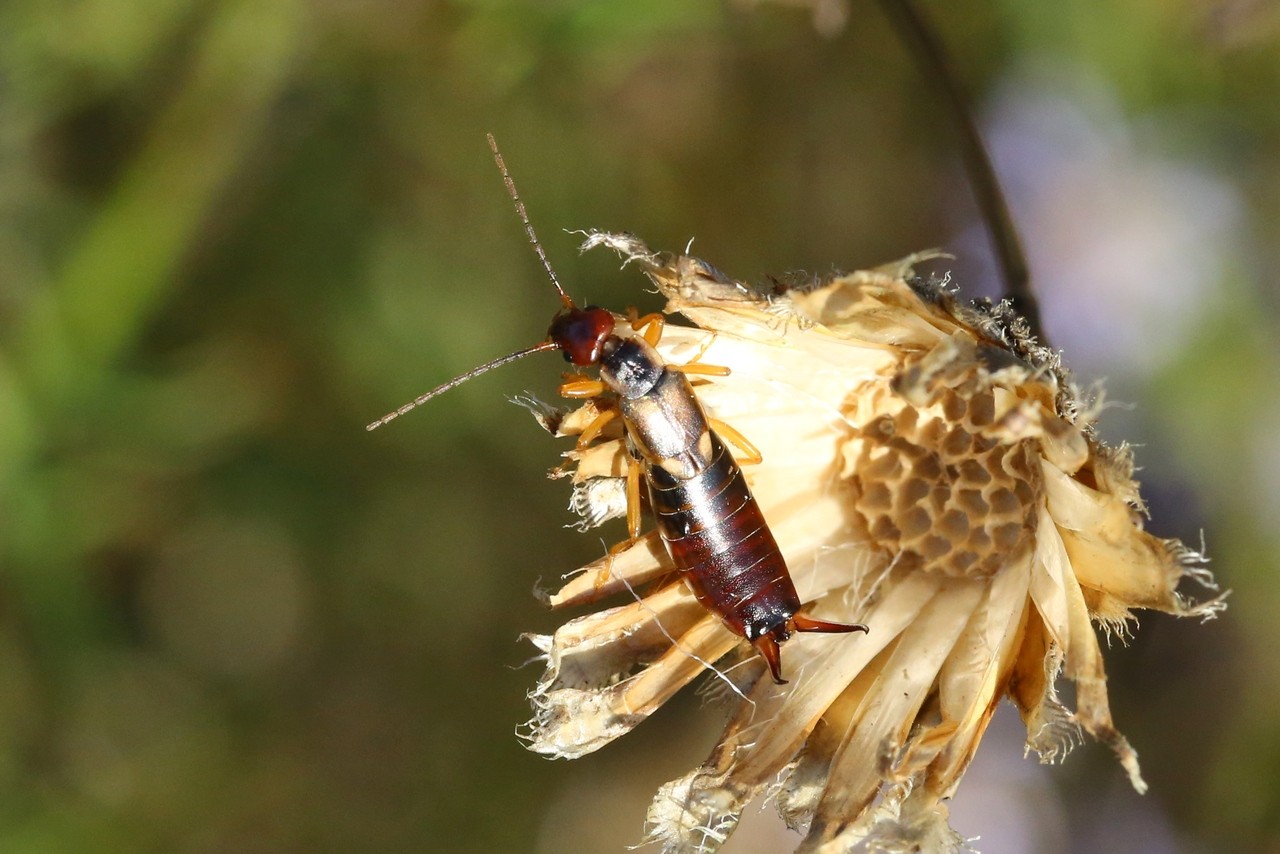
(711, 525)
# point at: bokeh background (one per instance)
(232, 232)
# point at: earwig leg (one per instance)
(702, 370)
(695, 367)
(633, 507)
(593, 429)
(650, 326)
(801, 623)
(751, 454)
(767, 646)
(582, 388)
(633, 499)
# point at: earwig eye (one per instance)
(580, 333)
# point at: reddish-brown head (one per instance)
(580, 333)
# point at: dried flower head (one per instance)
(928, 470)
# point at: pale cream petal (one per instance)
(597, 500)
(1077, 507)
(576, 420)
(1051, 732)
(814, 375)
(906, 821)
(1064, 445)
(875, 307)
(802, 787)
(858, 392)
(594, 648)
(970, 673)
(828, 668)
(1084, 666)
(696, 812)
(890, 707)
(912, 815)
(1110, 552)
(572, 721)
(972, 680)
(608, 459)
(610, 575)
(1049, 573)
(780, 720)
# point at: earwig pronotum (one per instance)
(712, 527)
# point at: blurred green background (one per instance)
(232, 233)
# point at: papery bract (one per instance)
(929, 470)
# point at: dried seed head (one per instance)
(941, 488)
(928, 471)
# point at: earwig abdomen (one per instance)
(711, 525)
(717, 536)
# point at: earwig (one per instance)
(711, 525)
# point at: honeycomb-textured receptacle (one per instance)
(937, 489)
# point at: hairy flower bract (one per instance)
(928, 470)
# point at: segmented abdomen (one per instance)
(717, 537)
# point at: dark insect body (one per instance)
(712, 527)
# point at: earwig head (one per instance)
(580, 333)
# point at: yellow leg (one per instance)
(581, 387)
(750, 453)
(695, 368)
(650, 326)
(593, 429)
(633, 500)
(699, 369)
(633, 507)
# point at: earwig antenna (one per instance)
(456, 381)
(524, 218)
(511, 357)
